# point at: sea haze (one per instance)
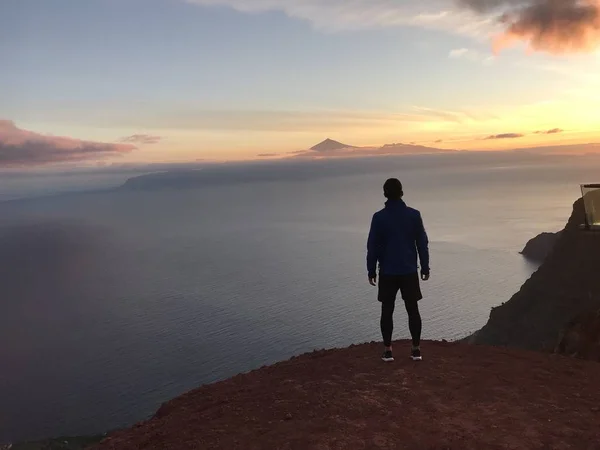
(115, 301)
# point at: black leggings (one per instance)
(387, 321)
(409, 287)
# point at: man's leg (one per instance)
(388, 289)
(411, 294)
(414, 322)
(387, 323)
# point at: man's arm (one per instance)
(422, 246)
(373, 248)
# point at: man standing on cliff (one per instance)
(397, 235)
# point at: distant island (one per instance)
(332, 148)
(329, 158)
(330, 145)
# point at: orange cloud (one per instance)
(142, 139)
(552, 131)
(552, 26)
(505, 136)
(20, 148)
(555, 26)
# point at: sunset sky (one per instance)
(177, 80)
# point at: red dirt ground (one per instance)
(459, 397)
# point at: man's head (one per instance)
(392, 189)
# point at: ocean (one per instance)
(114, 301)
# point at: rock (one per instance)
(581, 337)
(538, 248)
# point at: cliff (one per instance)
(565, 289)
(538, 248)
(460, 397)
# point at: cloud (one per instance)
(324, 121)
(505, 136)
(552, 26)
(449, 116)
(458, 52)
(267, 155)
(340, 15)
(439, 141)
(22, 148)
(471, 55)
(143, 139)
(484, 6)
(552, 131)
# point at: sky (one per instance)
(95, 82)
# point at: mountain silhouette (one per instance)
(330, 145)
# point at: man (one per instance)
(397, 234)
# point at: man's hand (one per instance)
(373, 281)
(424, 276)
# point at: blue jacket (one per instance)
(397, 234)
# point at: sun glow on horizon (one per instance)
(249, 96)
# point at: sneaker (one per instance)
(387, 356)
(415, 354)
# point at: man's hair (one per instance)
(392, 189)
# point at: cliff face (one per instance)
(564, 289)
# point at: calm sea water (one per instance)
(113, 302)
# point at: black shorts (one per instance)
(408, 285)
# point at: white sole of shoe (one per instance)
(387, 359)
(416, 358)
